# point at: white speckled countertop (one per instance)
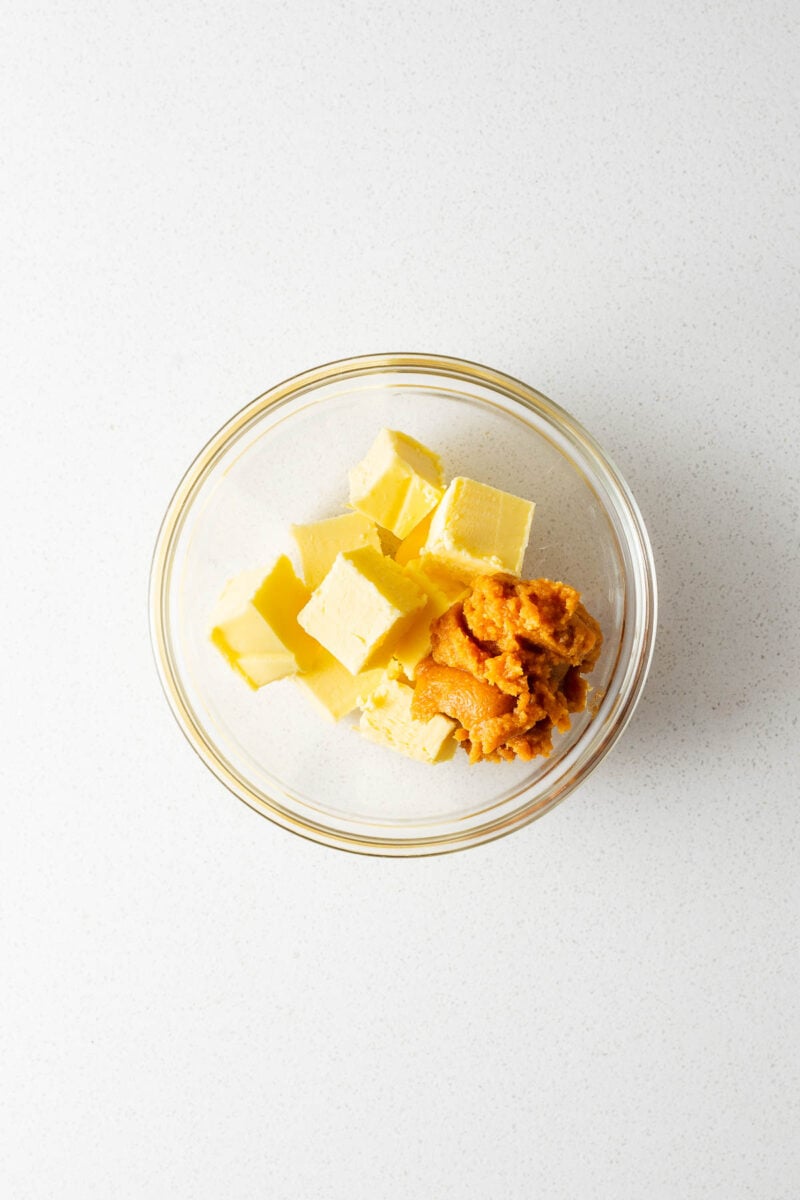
(199, 201)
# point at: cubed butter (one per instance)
(259, 669)
(333, 689)
(279, 599)
(397, 483)
(321, 541)
(245, 638)
(386, 719)
(479, 530)
(255, 624)
(436, 580)
(442, 590)
(362, 604)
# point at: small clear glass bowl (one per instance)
(284, 459)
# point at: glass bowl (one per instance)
(284, 459)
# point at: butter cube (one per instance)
(386, 719)
(411, 546)
(439, 583)
(479, 530)
(321, 541)
(259, 669)
(279, 599)
(255, 624)
(442, 590)
(363, 602)
(248, 642)
(333, 689)
(398, 483)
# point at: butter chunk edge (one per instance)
(364, 602)
(386, 719)
(479, 530)
(334, 691)
(397, 483)
(318, 542)
(245, 637)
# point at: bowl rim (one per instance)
(180, 504)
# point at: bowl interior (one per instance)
(287, 462)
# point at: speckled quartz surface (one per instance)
(199, 201)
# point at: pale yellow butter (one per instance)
(320, 542)
(363, 602)
(250, 644)
(397, 483)
(255, 624)
(436, 580)
(279, 599)
(260, 669)
(479, 530)
(332, 687)
(386, 719)
(442, 590)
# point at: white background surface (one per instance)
(200, 200)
